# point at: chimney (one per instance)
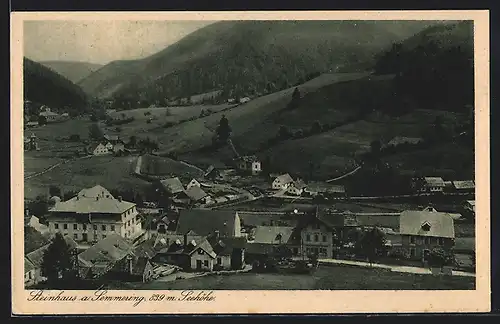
(217, 235)
(119, 198)
(185, 240)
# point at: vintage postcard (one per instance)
(250, 162)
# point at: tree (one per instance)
(57, 264)
(295, 99)
(372, 244)
(316, 127)
(438, 258)
(54, 191)
(284, 132)
(223, 131)
(132, 142)
(95, 132)
(42, 120)
(39, 207)
(202, 113)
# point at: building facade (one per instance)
(94, 214)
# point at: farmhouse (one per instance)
(113, 254)
(193, 183)
(249, 164)
(429, 184)
(97, 149)
(282, 182)
(94, 214)
(324, 189)
(172, 186)
(197, 195)
(49, 116)
(423, 230)
(244, 99)
(400, 140)
(296, 188)
(464, 186)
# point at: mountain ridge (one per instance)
(248, 57)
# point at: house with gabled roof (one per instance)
(296, 188)
(282, 182)
(429, 184)
(94, 214)
(423, 230)
(98, 148)
(198, 195)
(464, 186)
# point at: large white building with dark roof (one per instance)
(94, 214)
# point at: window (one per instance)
(200, 251)
(65, 226)
(84, 227)
(412, 239)
(75, 236)
(84, 237)
(103, 236)
(75, 226)
(324, 238)
(412, 252)
(113, 228)
(315, 237)
(205, 263)
(219, 260)
(103, 227)
(56, 226)
(95, 227)
(308, 237)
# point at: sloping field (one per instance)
(108, 171)
(160, 166)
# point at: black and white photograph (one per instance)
(206, 155)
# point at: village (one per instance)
(239, 219)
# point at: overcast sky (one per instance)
(101, 41)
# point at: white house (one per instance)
(244, 99)
(282, 182)
(193, 183)
(98, 149)
(296, 188)
(94, 214)
(109, 146)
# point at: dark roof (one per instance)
(273, 234)
(139, 265)
(196, 193)
(268, 218)
(28, 266)
(33, 239)
(205, 222)
(172, 185)
(299, 184)
(339, 219)
(225, 246)
(259, 248)
(109, 250)
(36, 257)
(145, 249)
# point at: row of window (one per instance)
(320, 251)
(84, 227)
(316, 238)
(426, 240)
